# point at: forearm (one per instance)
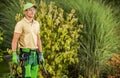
(14, 41)
(39, 43)
(14, 45)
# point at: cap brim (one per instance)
(29, 6)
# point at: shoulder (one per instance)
(19, 25)
(20, 22)
(35, 21)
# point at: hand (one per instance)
(41, 58)
(15, 58)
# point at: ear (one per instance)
(25, 12)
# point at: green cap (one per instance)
(28, 5)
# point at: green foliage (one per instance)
(7, 75)
(15, 70)
(59, 34)
(99, 40)
(1, 35)
(8, 11)
(115, 4)
(1, 40)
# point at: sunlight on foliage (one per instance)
(1, 35)
(1, 39)
(59, 34)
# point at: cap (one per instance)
(28, 5)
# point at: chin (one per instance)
(31, 16)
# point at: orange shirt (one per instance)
(29, 31)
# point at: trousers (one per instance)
(30, 64)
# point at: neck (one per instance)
(29, 19)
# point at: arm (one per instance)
(15, 40)
(39, 43)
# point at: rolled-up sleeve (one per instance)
(18, 28)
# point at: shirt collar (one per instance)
(28, 20)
